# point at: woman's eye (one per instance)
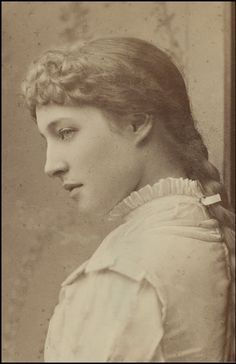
(65, 133)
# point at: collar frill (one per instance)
(164, 187)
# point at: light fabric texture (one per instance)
(155, 290)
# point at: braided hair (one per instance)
(127, 77)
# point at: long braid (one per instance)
(209, 177)
(188, 143)
(193, 153)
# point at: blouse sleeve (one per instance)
(111, 317)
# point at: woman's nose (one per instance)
(55, 167)
(55, 171)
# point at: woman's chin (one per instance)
(92, 213)
(87, 209)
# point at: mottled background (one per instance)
(43, 239)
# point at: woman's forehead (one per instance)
(48, 116)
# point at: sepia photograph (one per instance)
(118, 183)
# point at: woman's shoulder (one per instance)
(140, 253)
(108, 262)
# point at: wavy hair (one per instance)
(129, 76)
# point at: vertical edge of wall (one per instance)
(229, 113)
(233, 104)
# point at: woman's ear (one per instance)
(141, 126)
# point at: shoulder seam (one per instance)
(132, 270)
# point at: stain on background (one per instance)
(43, 237)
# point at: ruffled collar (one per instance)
(164, 187)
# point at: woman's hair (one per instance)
(131, 77)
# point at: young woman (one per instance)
(121, 138)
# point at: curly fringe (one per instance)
(90, 76)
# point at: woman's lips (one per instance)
(74, 192)
(73, 188)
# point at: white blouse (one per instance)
(155, 290)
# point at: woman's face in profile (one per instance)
(97, 165)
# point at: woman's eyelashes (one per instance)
(66, 133)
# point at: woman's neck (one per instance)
(155, 169)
